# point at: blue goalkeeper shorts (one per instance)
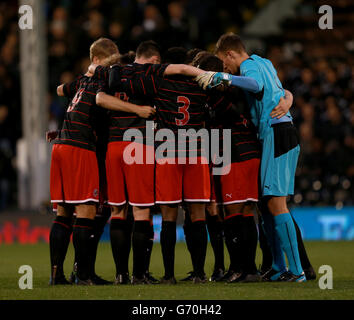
(280, 153)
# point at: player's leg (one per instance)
(286, 232)
(279, 160)
(250, 240)
(140, 241)
(188, 237)
(196, 193)
(139, 181)
(59, 239)
(101, 218)
(233, 239)
(168, 196)
(168, 241)
(216, 234)
(82, 232)
(120, 237)
(61, 230)
(305, 262)
(150, 245)
(120, 234)
(199, 237)
(278, 265)
(267, 257)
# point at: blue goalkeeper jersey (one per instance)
(271, 90)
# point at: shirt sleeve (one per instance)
(69, 89)
(112, 80)
(102, 73)
(250, 69)
(148, 82)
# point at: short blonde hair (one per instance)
(103, 48)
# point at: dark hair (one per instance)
(199, 56)
(175, 55)
(191, 55)
(229, 41)
(148, 49)
(127, 58)
(211, 63)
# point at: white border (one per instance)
(74, 201)
(141, 204)
(239, 201)
(117, 204)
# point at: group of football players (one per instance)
(105, 165)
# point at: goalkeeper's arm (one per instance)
(246, 83)
(212, 79)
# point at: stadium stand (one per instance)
(322, 80)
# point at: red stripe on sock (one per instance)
(78, 226)
(117, 218)
(63, 224)
(248, 215)
(232, 215)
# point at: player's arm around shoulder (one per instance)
(115, 104)
(183, 69)
(283, 106)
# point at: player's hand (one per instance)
(205, 79)
(51, 135)
(210, 79)
(281, 109)
(145, 112)
(220, 79)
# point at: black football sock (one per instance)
(233, 239)
(187, 233)
(267, 257)
(305, 262)
(250, 240)
(168, 243)
(141, 233)
(98, 227)
(59, 240)
(150, 244)
(120, 244)
(82, 231)
(216, 235)
(200, 241)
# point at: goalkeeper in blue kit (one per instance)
(280, 149)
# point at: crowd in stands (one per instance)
(317, 70)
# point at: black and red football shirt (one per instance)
(84, 120)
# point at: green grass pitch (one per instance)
(339, 255)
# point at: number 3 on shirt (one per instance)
(183, 110)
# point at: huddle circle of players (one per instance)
(98, 173)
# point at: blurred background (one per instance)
(316, 65)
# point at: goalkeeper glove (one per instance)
(209, 79)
